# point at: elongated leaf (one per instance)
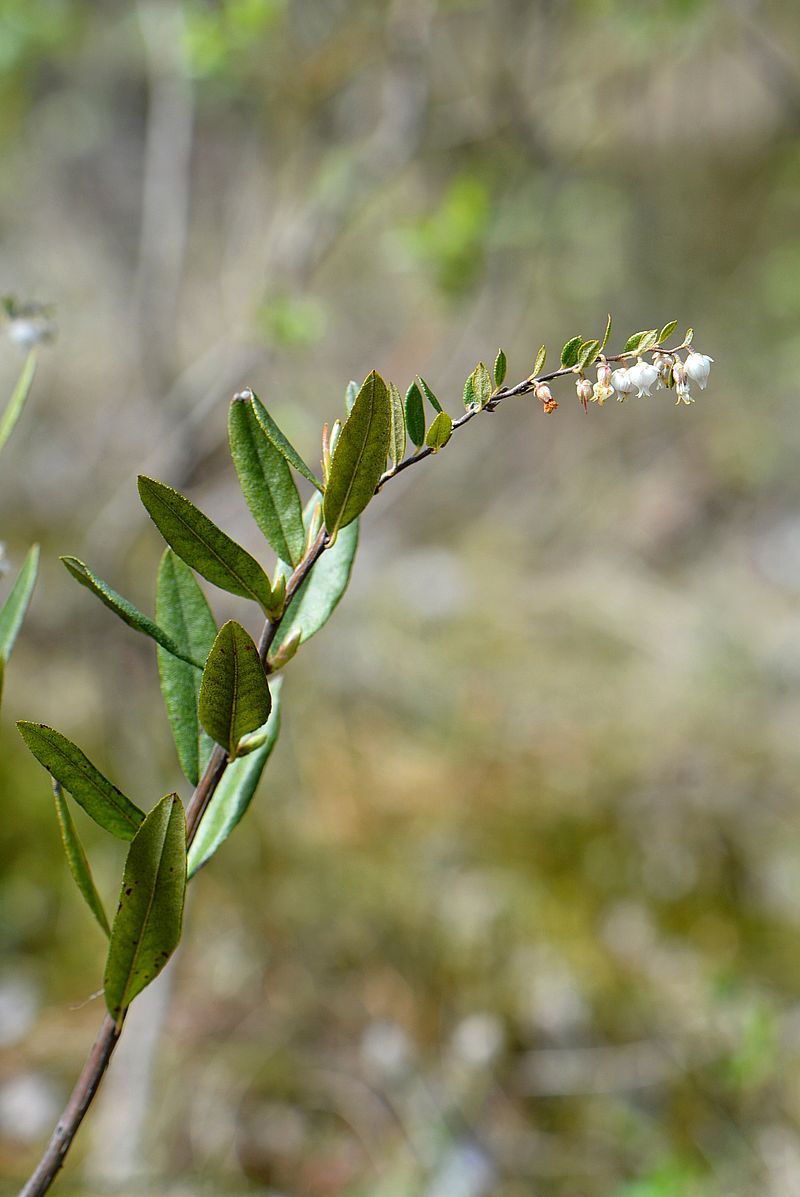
(202, 545)
(126, 611)
(667, 331)
(234, 695)
(147, 926)
(569, 354)
(397, 438)
(415, 415)
(266, 481)
(360, 456)
(429, 395)
(13, 409)
(13, 609)
(183, 612)
(273, 432)
(439, 432)
(470, 399)
(541, 357)
(315, 601)
(607, 333)
(500, 368)
(107, 805)
(234, 792)
(76, 859)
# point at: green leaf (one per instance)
(147, 926)
(101, 800)
(606, 334)
(235, 791)
(183, 612)
(569, 354)
(314, 603)
(273, 433)
(635, 342)
(481, 384)
(204, 546)
(397, 436)
(360, 456)
(76, 859)
(266, 481)
(429, 395)
(500, 368)
(439, 432)
(648, 341)
(415, 415)
(541, 357)
(667, 331)
(13, 609)
(470, 399)
(587, 353)
(13, 409)
(350, 395)
(126, 611)
(687, 340)
(234, 695)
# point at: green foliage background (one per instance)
(517, 904)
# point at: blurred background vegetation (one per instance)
(516, 911)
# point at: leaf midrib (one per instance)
(237, 548)
(359, 459)
(88, 777)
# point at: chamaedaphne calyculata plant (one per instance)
(221, 689)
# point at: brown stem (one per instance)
(97, 1061)
(76, 1107)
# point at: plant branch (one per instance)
(98, 1059)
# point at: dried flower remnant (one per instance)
(585, 392)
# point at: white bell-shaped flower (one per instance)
(643, 375)
(621, 382)
(698, 366)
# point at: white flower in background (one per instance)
(643, 375)
(622, 384)
(698, 366)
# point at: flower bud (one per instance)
(543, 392)
(643, 375)
(698, 366)
(604, 374)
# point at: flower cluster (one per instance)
(667, 369)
